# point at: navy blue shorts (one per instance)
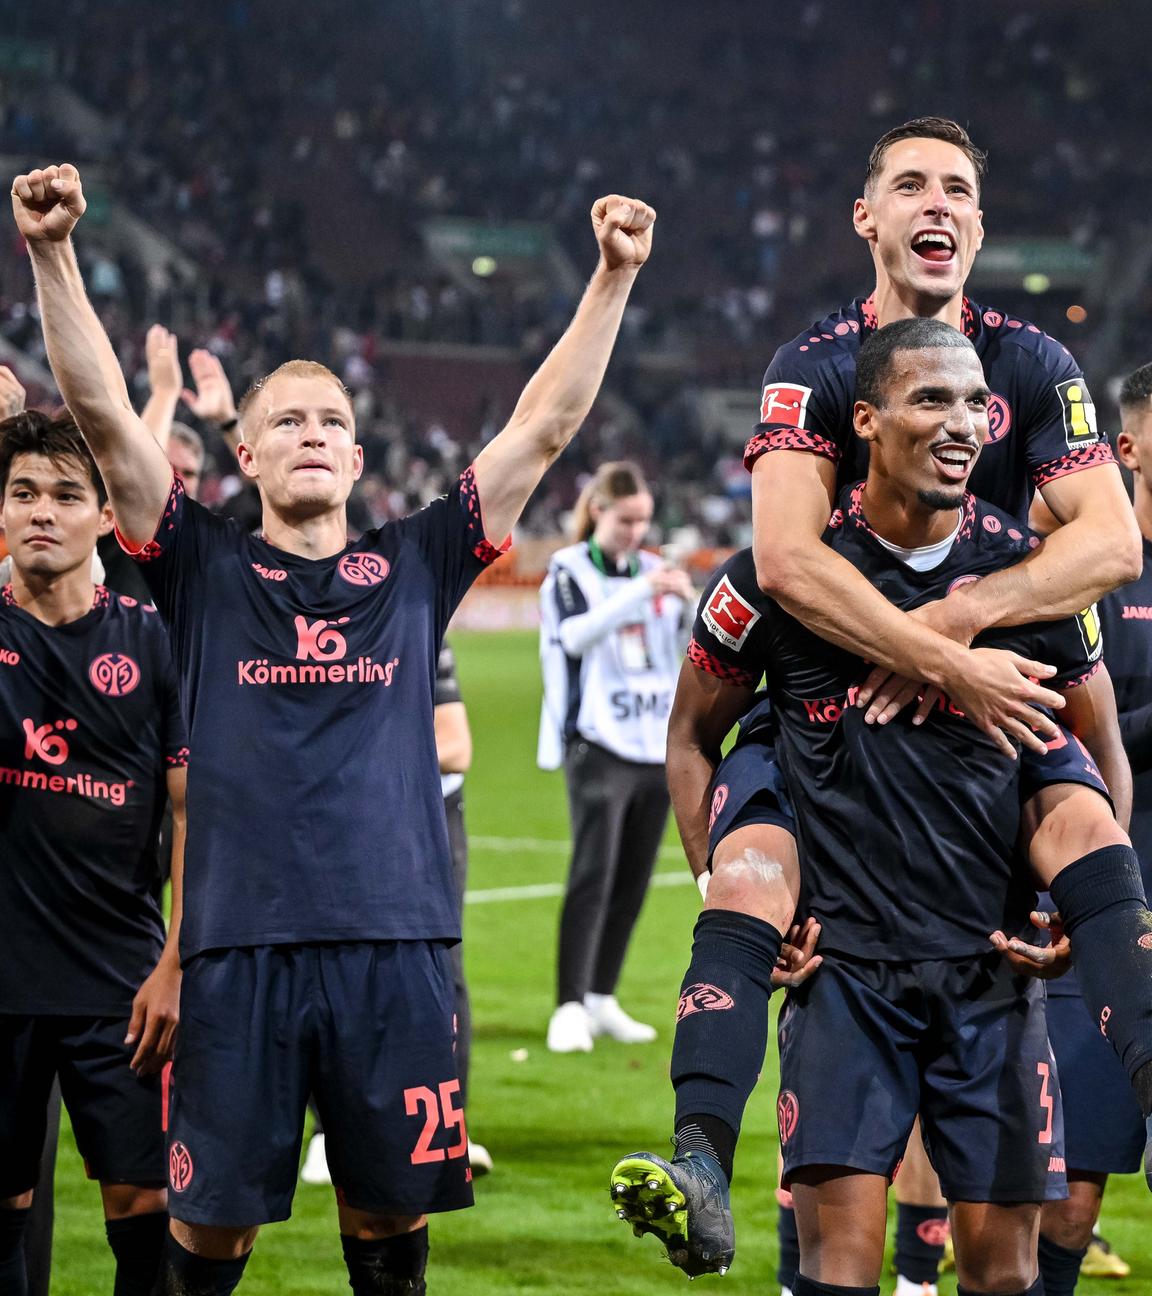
(1066, 761)
(367, 1029)
(115, 1114)
(748, 788)
(865, 1047)
(1103, 1127)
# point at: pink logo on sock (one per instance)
(703, 998)
(933, 1232)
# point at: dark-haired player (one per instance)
(1104, 1132)
(909, 843)
(91, 746)
(921, 218)
(320, 899)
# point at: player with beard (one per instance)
(910, 1000)
(320, 899)
(920, 215)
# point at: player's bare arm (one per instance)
(47, 204)
(12, 394)
(703, 713)
(156, 1007)
(453, 737)
(557, 399)
(792, 495)
(165, 381)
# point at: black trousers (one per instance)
(38, 1234)
(618, 810)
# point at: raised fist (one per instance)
(623, 229)
(47, 204)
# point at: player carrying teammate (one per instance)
(916, 1009)
(91, 746)
(320, 897)
(920, 215)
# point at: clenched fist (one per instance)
(48, 203)
(624, 231)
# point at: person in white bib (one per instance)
(612, 637)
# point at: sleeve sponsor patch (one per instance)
(729, 616)
(1090, 632)
(1079, 413)
(784, 403)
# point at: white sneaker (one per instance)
(606, 1017)
(569, 1031)
(315, 1167)
(479, 1158)
(906, 1287)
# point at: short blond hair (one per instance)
(289, 369)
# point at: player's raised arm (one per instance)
(47, 205)
(560, 393)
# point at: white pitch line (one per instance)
(545, 844)
(548, 890)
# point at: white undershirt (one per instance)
(926, 557)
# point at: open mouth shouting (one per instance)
(936, 246)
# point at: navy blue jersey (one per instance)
(1126, 615)
(314, 807)
(907, 833)
(1041, 420)
(89, 724)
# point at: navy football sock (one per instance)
(1037, 1289)
(789, 1240)
(1101, 900)
(1059, 1267)
(137, 1242)
(722, 1018)
(185, 1274)
(391, 1266)
(13, 1276)
(810, 1287)
(704, 1133)
(920, 1234)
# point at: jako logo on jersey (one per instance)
(999, 418)
(113, 674)
(42, 742)
(269, 573)
(1132, 612)
(179, 1167)
(10, 657)
(787, 1114)
(728, 616)
(703, 998)
(1079, 413)
(318, 641)
(363, 568)
(784, 403)
(719, 801)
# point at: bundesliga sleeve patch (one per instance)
(729, 616)
(784, 403)
(1079, 413)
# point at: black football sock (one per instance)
(920, 1234)
(391, 1266)
(1059, 1267)
(1037, 1289)
(722, 1017)
(789, 1241)
(704, 1133)
(137, 1242)
(1101, 900)
(810, 1287)
(185, 1274)
(13, 1275)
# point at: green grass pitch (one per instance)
(543, 1222)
